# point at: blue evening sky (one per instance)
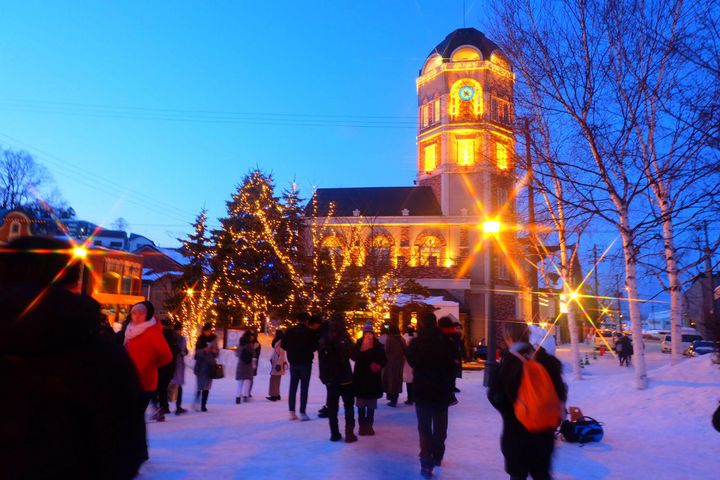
(149, 110)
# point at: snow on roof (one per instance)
(153, 277)
(404, 298)
(175, 255)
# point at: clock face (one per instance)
(466, 93)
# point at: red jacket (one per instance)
(149, 351)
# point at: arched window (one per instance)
(379, 250)
(466, 100)
(429, 249)
(466, 54)
(332, 246)
(432, 63)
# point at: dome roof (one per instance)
(464, 37)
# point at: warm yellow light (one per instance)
(573, 296)
(430, 157)
(502, 156)
(80, 252)
(466, 54)
(190, 292)
(491, 226)
(448, 263)
(466, 151)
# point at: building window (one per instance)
(430, 154)
(425, 115)
(501, 154)
(15, 228)
(429, 250)
(465, 151)
(400, 261)
(501, 110)
(436, 110)
(379, 251)
(502, 270)
(502, 197)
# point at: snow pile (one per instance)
(663, 432)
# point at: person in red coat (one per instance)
(146, 347)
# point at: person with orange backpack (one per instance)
(528, 391)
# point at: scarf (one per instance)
(133, 330)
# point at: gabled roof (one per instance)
(377, 201)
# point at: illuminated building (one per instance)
(465, 176)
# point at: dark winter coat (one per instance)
(334, 360)
(179, 376)
(392, 374)
(366, 382)
(432, 359)
(523, 451)
(300, 343)
(68, 405)
(206, 353)
(458, 349)
(244, 369)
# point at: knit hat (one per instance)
(368, 327)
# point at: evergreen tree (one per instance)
(249, 265)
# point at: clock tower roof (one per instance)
(464, 37)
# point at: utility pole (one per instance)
(534, 299)
(597, 285)
(708, 290)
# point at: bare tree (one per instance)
(21, 179)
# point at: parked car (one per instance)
(701, 347)
(685, 342)
(603, 338)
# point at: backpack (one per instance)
(584, 430)
(537, 407)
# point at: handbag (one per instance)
(218, 371)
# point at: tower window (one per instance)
(425, 113)
(436, 110)
(501, 155)
(430, 154)
(501, 110)
(466, 151)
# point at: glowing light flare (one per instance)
(491, 227)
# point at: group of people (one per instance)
(624, 349)
(78, 392)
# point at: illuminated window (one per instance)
(379, 251)
(430, 154)
(465, 54)
(501, 154)
(436, 110)
(429, 250)
(432, 63)
(425, 115)
(465, 151)
(500, 110)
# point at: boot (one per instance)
(334, 430)
(203, 404)
(370, 421)
(349, 432)
(362, 422)
(410, 399)
(238, 400)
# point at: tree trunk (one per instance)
(632, 290)
(574, 343)
(675, 291)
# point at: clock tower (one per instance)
(465, 140)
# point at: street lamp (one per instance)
(490, 228)
(80, 253)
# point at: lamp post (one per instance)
(490, 228)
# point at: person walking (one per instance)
(206, 354)
(148, 349)
(244, 371)
(407, 369)
(392, 374)
(334, 353)
(166, 372)
(447, 327)
(526, 453)
(300, 343)
(71, 395)
(255, 360)
(369, 356)
(278, 366)
(178, 379)
(432, 358)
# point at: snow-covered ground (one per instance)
(663, 432)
